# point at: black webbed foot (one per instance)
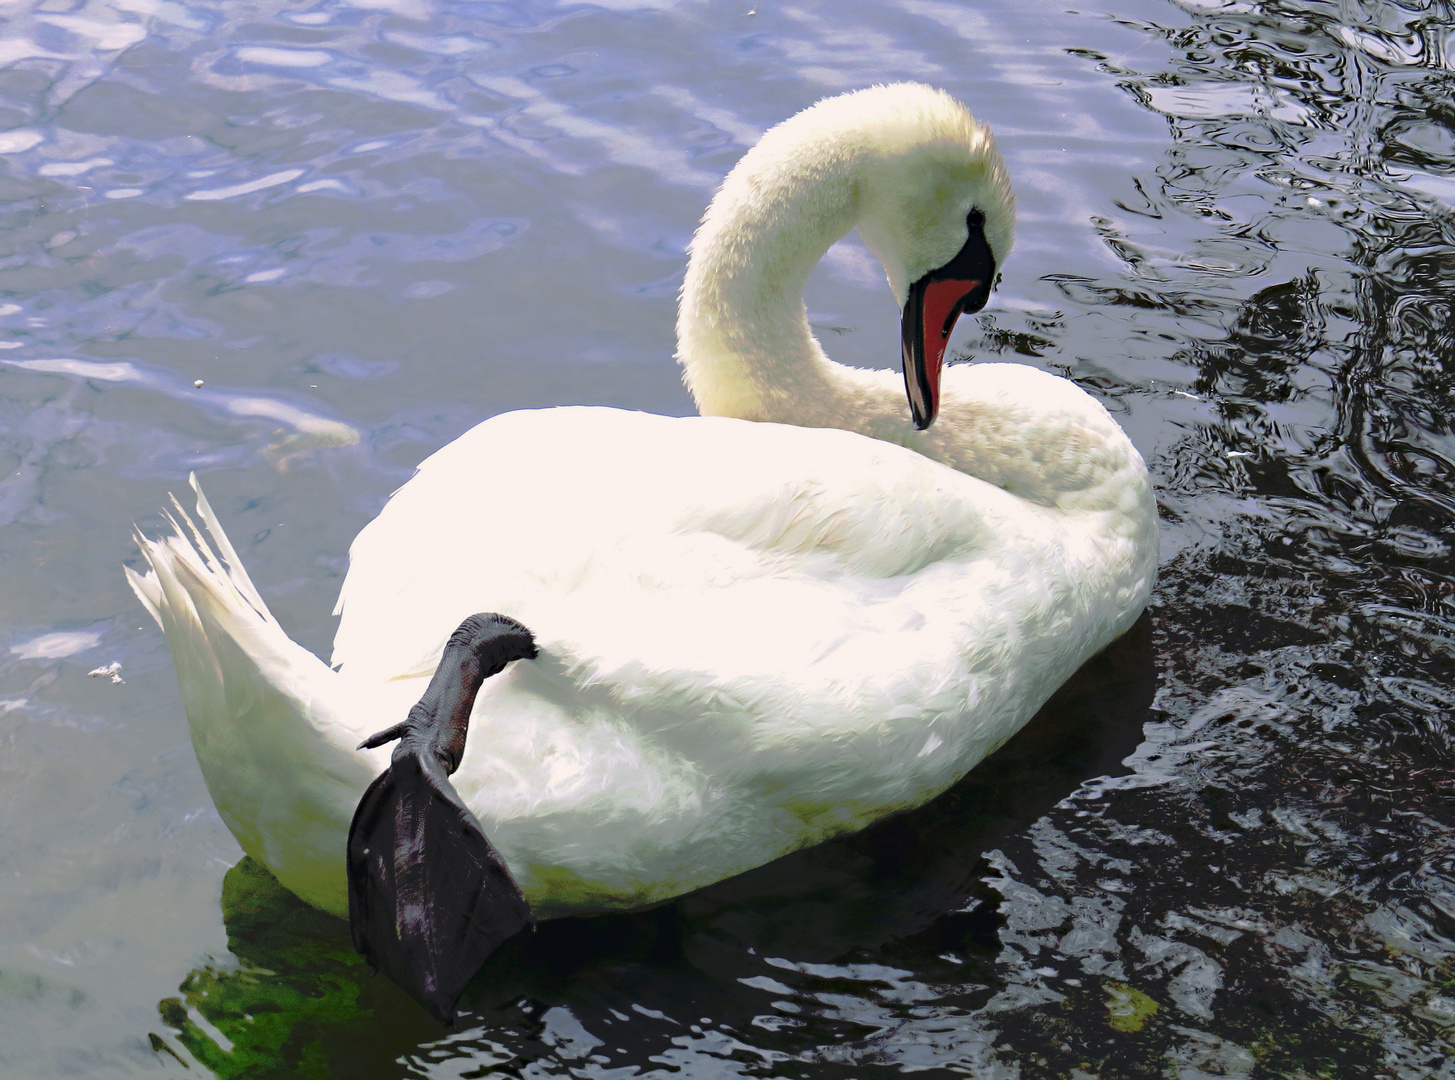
(429, 897)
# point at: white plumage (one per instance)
(758, 628)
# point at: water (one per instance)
(1227, 851)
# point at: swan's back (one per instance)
(749, 633)
(638, 523)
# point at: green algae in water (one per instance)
(301, 1003)
(1128, 1010)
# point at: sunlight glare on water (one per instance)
(297, 248)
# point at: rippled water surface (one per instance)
(1227, 850)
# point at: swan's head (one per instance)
(922, 180)
(936, 206)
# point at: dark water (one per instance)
(1227, 850)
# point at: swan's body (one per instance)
(752, 635)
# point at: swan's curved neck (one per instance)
(746, 349)
(742, 332)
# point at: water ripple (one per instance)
(1228, 851)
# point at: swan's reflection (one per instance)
(904, 893)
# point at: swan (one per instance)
(725, 636)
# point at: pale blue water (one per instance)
(365, 228)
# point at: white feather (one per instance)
(757, 630)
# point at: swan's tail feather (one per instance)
(234, 567)
(148, 590)
(268, 718)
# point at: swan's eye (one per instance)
(975, 219)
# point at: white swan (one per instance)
(758, 628)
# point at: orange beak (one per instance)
(935, 301)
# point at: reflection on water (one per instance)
(366, 226)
